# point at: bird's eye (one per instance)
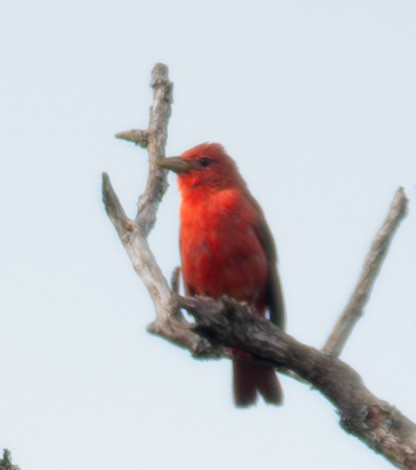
(205, 161)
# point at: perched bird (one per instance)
(227, 249)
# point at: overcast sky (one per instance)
(317, 103)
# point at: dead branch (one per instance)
(377, 423)
(372, 265)
(220, 324)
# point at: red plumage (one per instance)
(227, 248)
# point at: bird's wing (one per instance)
(274, 294)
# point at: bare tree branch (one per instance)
(381, 426)
(157, 135)
(133, 234)
(136, 136)
(221, 324)
(371, 268)
(175, 280)
(114, 208)
(154, 138)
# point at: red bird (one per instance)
(227, 249)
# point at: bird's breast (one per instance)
(220, 251)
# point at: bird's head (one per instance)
(206, 165)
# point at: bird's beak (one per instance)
(176, 164)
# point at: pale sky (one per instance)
(316, 101)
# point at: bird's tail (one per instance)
(250, 378)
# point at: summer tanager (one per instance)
(227, 249)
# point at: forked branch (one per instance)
(221, 324)
(381, 426)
